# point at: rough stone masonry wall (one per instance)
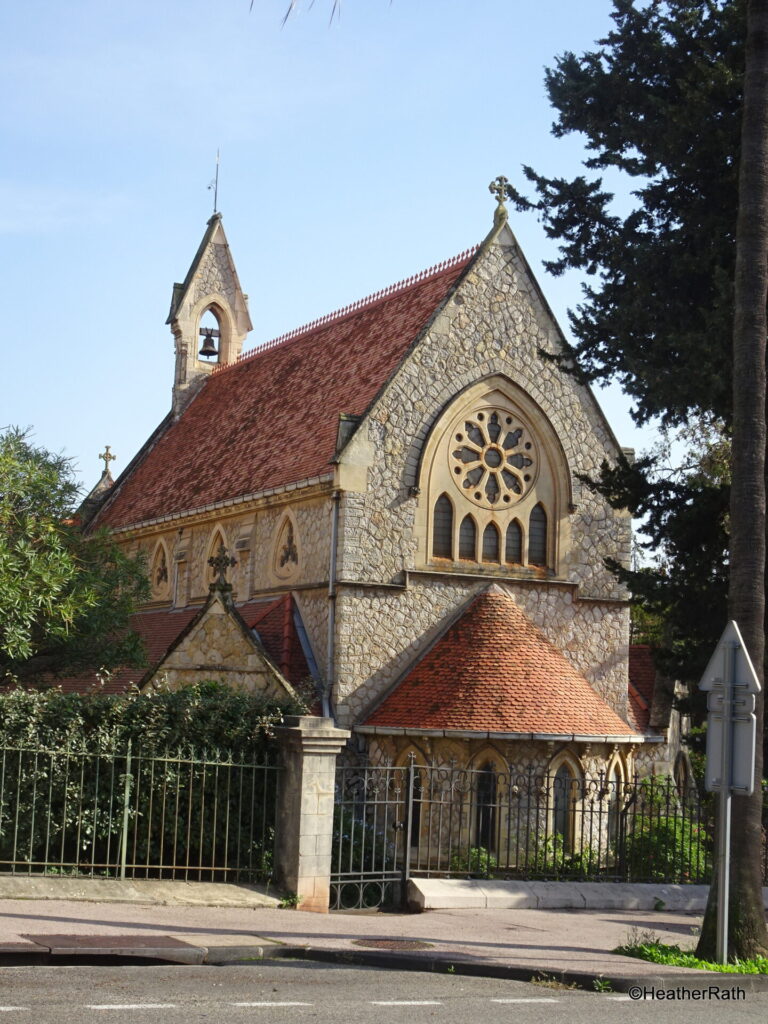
(214, 276)
(215, 650)
(513, 757)
(254, 575)
(494, 324)
(251, 538)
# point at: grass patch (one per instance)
(549, 981)
(648, 946)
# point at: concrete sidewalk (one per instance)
(178, 922)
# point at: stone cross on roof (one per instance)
(107, 457)
(220, 564)
(499, 187)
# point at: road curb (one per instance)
(219, 956)
(545, 972)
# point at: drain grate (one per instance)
(393, 944)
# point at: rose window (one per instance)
(493, 461)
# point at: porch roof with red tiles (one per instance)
(160, 629)
(492, 670)
(272, 418)
(275, 626)
(642, 683)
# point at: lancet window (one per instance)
(159, 577)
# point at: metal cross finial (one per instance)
(220, 564)
(107, 457)
(499, 188)
(214, 185)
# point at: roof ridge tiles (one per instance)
(352, 307)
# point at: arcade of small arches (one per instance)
(561, 797)
(519, 546)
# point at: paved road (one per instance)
(293, 992)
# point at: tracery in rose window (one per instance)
(494, 461)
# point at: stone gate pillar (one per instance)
(309, 746)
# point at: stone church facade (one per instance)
(399, 487)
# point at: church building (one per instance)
(384, 510)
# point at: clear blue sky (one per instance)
(351, 156)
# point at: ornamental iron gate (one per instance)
(371, 836)
(396, 823)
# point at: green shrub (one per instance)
(549, 858)
(659, 953)
(665, 849)
(205, 716)
(474, 861)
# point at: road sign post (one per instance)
(731, 685)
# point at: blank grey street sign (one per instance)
(731, 662)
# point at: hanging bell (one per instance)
(209, 345)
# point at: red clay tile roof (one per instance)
(272, 418)
(274, 623)
(158, 628)
(494, 671)
(642, 681)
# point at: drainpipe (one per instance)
(285, 653)
(330, 660)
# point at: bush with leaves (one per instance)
(666, 849)
(205, 716)
(476, 861)
(358, 845)
(65, 596)
(549, 857)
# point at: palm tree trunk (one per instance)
(746, 596)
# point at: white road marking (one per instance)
(10, 1009)
(271, 1004)
(406, 1002)
(537, 999)
(620, 999)
(130, 1006)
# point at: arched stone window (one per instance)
(468, 539)
(209, 331)
(486, 808)
(442, 528)
(513, 549)
(285, 560)
(537, 536)
(494, 455)
(159, 576)
(562, 799)
(565, 778)
(614, 782)
(217, 540)
(491, 543)
(414, 756)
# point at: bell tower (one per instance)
(209, 315)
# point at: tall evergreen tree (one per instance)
(660, 102)
(746, 593)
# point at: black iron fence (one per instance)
(196, 816)
(395, 823)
